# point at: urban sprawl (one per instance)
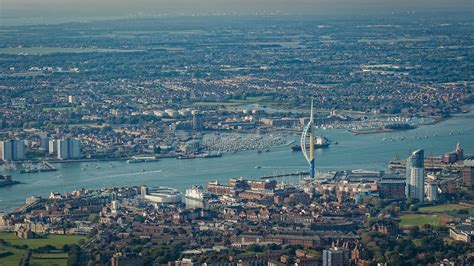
(140, 90)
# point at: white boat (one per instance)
(197, 193)
(142, 159)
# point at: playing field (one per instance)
(215, 104)
(54, 240)
(59, 259)
(422, 219)
(59, 109)
(445, 208)
(250, 99)
(10, 256)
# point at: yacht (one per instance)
(197, 193)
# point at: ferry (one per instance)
(197, 193)
(320, 143)
(142, 159)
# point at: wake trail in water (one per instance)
(136, 173)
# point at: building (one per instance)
(197, 122)
(262, 185)
(431, 191)
(454, 156)
(52, 146)
(463, 232)
(68, 149)
(468, 173)
(120, 259)
(44, 144)
(391, 189)
(161, 195)
(71, 99)
(335, 257)
(415, 176)
(280, 122)
(214, 187)
(12, 150)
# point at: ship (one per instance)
(197, 193)
(6, 180)
(142, 159)
(320, 143)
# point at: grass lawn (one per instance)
(10, 256)
(445, 208)
(422, 219)
(215, 104)
(59, 109)
(59, 259)
(55, 240)
(251, 99)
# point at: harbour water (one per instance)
(371, 151)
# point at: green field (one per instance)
(59, 259)
(54, 240)
(59, 109)
(250, 99)
(445, 208)
(234, 102)
(10, 256)
(215, 104)
(422, 219)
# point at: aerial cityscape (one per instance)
(237, 138)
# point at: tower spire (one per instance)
(309, 130)
(311, 142)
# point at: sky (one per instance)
(85, 8)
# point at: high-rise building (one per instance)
(335, 257)
(415, 175)
(197, 122)
(44, 143)
(68, 149)
(12, 150)
(53, 146)
(468, 173)
(72, 99)
(431, 191)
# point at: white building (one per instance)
(431, 191)
(415, 176)
(53, 146)
(72, 99)
(12, 150)
(116, 208)
(68, 149)
(161, 195)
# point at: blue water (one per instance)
(352, 152)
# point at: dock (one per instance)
(284, 175)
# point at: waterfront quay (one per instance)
(241, 219)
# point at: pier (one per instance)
(284, 175)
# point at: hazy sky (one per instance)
(16, 8)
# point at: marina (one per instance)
(353, 152)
